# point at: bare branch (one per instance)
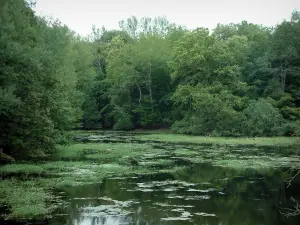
(290, 179)
(296, 169)
(289, 212)
(295, 210)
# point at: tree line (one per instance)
(237, 80)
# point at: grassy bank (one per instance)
(24, 199)
(259, 141)
(83, 163)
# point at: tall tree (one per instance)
(39, 99)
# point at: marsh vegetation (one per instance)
(149, 180)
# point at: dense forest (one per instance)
(236, 80)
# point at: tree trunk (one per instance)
(150, 86)
(282, 76)
(140, 91)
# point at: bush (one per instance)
(262, 119)
(123, 122)
(210, 114)
(4, 158)
(292, 128)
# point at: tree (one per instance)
(211, 77)
(140, 79)
(39, 99)
(158, 26)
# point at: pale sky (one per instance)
(80, 15)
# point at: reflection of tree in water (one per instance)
(108, 220)
(250, 195)
(235, 197)
(292, 187)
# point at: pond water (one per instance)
(205, 192)
(200, 194)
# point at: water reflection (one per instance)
(103, 220)
(202, 194)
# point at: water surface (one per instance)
(200, 194)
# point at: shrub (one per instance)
(262, 119)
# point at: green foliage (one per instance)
(262, 119)
(46, 72)
(31, 205)
(206, 112)
(24, 169)
(149, 74)
(123, 120)
(240, 80)
(4, 159)
(140, 82)
(292, 128)
(159, 74)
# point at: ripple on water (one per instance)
(204, 214)
(113, 208)
(197, 197)
(143, 190)
(170, 189)
(201, 190)
(104, 210)
(172, 206)
(165, 183)
(184, 216)
(175, 196)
